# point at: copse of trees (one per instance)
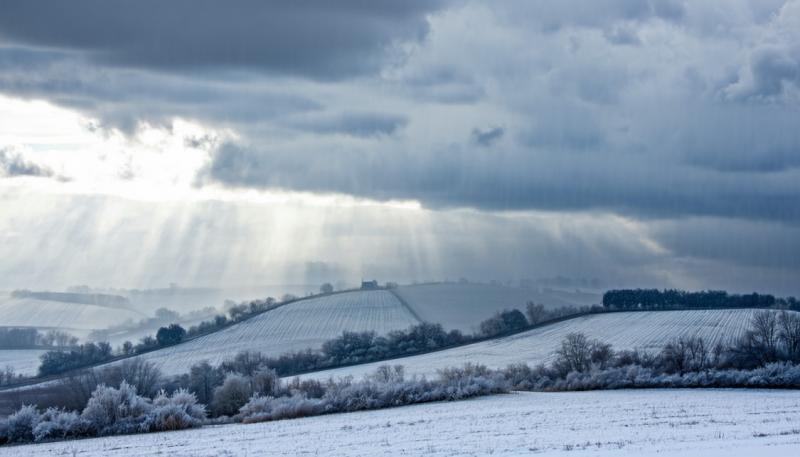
(503, 322)
(167, 336)
(627, 299)
(24, 337)
(53, 362)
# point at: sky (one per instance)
(645, 143)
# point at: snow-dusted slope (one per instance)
(22, 361)
(710, 423)
(76, 318)
(299, 325)
(645, 330)
(464, 306)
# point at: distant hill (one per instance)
(464, 306)
(299, 325)
(111, 301)
(647, 330)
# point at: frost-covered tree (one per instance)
(535, 312)
(57, 423)
(21, 424)
(113, 411)
(174, 412)
(203, 379)
(789, 334)
(234, 392)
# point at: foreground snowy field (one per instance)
(644, 330)
(635, 423)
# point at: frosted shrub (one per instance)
(387, 373)
(231, 395)
(260, 409)
(175, 412)
(468, 370)
(20, 425)
(59, 424)
(116, 411)
(455, 384)
(265, 382)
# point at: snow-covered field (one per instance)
(717, 423)
(465, 306)
(76, 318)
(299, 325)
(23, 361)
(645, 330)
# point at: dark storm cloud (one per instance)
(359, 124)
(13, 164)
(507, 181)
(587, 124)
(487, 137)
(123, 98)
(746, 243)
(772, 71)
(622, 36)
(314, 38)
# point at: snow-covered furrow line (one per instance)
(299, 325)
(633, 330)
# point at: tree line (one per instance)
(25, 337)
(626, 299)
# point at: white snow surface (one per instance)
(464, 306)
(22, 361)
(76, 318)
(648, 330)
(296, 326)
(716, 423)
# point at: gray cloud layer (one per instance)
(660, 110)
(313, 38)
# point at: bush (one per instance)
(176, 412)
(116, 411)
(60, 424)
(261, 409)
(231, 395)
(21, 424)
(380, 390)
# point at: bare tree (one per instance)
(765, 334)
(789, 334)
(685, 354)
(203, 379)
(574, 354)
(535, 312)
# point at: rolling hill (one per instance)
(648, 330)
(299, 325)
(464, 306)
(76, 318)
(22, 361)
(310, 322)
